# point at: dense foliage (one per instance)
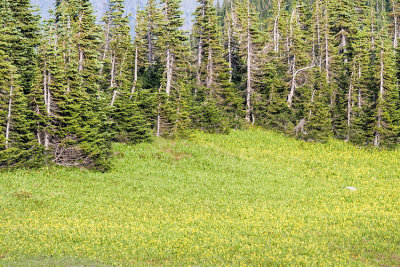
(315, 69)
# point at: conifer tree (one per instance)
(24, 50)
(18, 147)
(344, 30)
(75, 129)
(249, 46)
(128, 122)
(386, 116)
(172, 115)
(215, 93)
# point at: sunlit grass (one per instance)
(249, 198)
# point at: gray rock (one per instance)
(351, 188)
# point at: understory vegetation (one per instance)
(249, 198)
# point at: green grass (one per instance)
(249, 198)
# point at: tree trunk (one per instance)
(249, 88)
(293, 82)
(380, 99)
(276, 28)
(200, 49)
(396, 32)
(9, 113)
(115, 94)
(359, 98)
(318, 7)
(112, 81)
(210, 68)
(135, 79)
(80, 60)
(327, 63)
(169, 72)
(350, 103)
(47, 100)
(230, 51)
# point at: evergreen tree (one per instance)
(249, 47)
(128, 122)
(75, 131)
(172, 115)
(218, 103)
(18, 147)
(385, 114)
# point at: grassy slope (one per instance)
(254, 197)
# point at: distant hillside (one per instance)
(188, 7)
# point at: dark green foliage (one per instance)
(319, 124)
(129, 124)
(18, 144)
(314, 69)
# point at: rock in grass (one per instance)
(351, 188)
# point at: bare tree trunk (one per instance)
(293, 82)
(327, 63)
(80, 59)
(115, 94)
(45, 84)
(343, 44)
(350, 104)
(44, 98)
(276, 28)
(230, 52)
(210, 69)
(200, 49)
(169, 72)
(47, 100)
(396, 32)
(359, 100)
(318, 7)
(158, 133)
(8, 126)
(249, 88)
(231, 26)
(199, 61)
(135, 79)
(112, 81)
(380, 99)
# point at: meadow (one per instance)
(250, 198)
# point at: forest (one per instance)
(71, 86)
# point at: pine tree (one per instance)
(386, 116)
(318, 124)
(250, 37)
(172, 118)
(74, 129)
(344, 30)
(24, 50)
(218, 103)
(18, 147)
(128, 122)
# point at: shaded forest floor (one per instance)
(250, 198)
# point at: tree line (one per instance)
(316, 69)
